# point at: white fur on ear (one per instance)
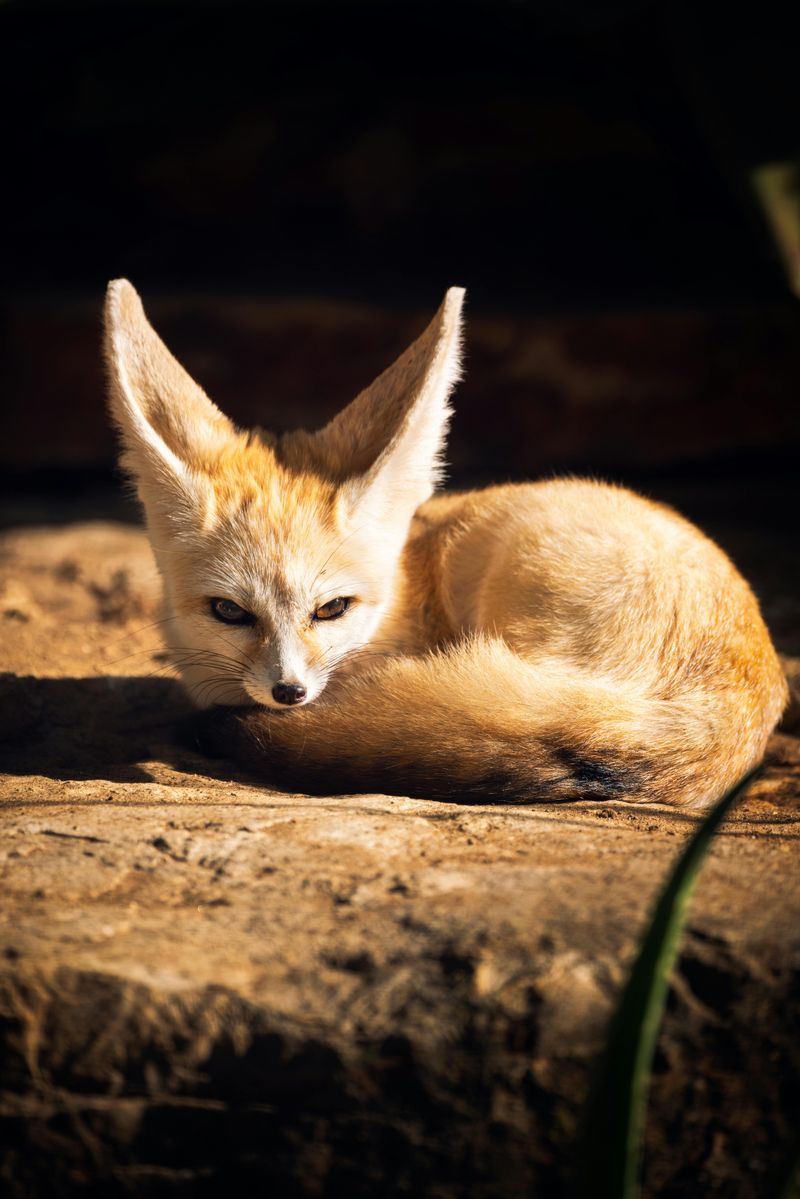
(388, 443)
(169, 426)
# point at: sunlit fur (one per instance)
(280, 545)
(555, 640)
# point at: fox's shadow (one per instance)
(81, 728)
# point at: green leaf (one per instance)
(610, 1145)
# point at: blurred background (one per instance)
(291, 187)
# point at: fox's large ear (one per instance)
(170, 429)
(388, 442)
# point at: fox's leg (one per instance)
(478, 723)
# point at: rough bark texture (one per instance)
(207, 987)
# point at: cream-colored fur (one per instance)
(553, 640)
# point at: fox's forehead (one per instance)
(272, 535)
(247, 479)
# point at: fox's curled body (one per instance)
(558, 640)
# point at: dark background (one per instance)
(551, 156)
(291, 187)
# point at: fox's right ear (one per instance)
(170, 429)
(386, 446)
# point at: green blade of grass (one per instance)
(610, 1144)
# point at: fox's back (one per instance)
(604, 579)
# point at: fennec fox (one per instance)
(548, 641)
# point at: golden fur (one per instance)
(553, 640)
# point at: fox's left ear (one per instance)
(170, 428)
(387, 444)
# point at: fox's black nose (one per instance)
(288, 693)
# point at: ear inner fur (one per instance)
(168, 423)
(387, 444)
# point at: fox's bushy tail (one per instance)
(477, 723)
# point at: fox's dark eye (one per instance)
(230, 612)
(333, 609)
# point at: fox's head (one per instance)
(278, 555)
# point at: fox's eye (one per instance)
(230, 612)
(333, 609)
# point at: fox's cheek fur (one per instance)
(211, 666)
